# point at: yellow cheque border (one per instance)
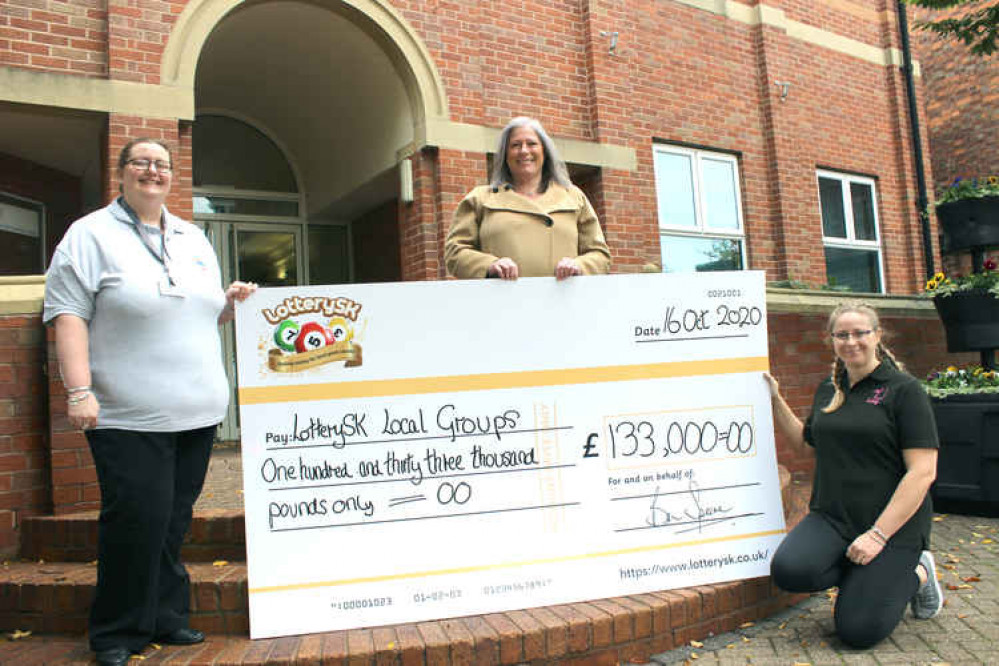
(505, 565)
(259, 395)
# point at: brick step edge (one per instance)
(55, 597)
(608, 631)
(215, 534)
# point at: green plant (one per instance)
(955, 381)
(978, 27)
(974, 188)
(987, 279)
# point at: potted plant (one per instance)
(966, 400)
(968, 212)
(969, 309)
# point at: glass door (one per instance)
(270, 254)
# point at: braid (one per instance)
(838, 397)
(886, 354)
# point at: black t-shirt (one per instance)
(859, 447)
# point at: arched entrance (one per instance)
(304, 111)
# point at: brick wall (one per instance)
(962, 95)
(24, 482)
(55, 36)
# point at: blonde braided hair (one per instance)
(838, 367)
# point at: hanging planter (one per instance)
(970, 318)
(969, 223)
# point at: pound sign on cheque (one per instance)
(589, 449)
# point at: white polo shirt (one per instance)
(155, 353)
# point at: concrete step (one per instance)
(55, 597)
(215, 534)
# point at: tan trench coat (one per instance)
(535, 233)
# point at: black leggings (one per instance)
(872, 597)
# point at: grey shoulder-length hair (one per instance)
(552, 170)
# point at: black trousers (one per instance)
(149, 482)
(871, 599)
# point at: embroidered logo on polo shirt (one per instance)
(878, 396)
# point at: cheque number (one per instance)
(678, 438)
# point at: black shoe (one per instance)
(116, 656)
(183, 636)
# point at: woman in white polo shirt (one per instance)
(135, 296)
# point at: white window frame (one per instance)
(38, 207)
(851, 242)
(701, 207)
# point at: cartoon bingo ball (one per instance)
(285, 335)
(340, 330)
(311, 337)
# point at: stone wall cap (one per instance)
(814, 301)
(21, 294)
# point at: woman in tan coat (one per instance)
(530, 221)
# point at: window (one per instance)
(22, 236)
(850, 231)
(700, 210)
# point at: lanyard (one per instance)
(162, 256)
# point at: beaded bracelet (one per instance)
(879, 535)
(77, 389)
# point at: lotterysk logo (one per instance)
(312, 331)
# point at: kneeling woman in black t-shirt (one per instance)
(868, 528)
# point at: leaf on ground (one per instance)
(220, 563)
(730, 646)
(823, 644)
(987, 541)
(977, 535)
(948, 567)
(17, 635)
(938, 519)
(951, 586)
(747, 625)
(971, 579)
(745, 639)
(693, 655)
(782, 625)
(137, 657)
(953, 558)
(697, 644)
(804, 643)
(961, 616)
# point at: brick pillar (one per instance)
(441, 178)
(176, 134)
(24, 482)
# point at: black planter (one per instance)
(971, 319)
(968, 462)
(969, 223)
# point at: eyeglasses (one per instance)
(843, 336)
(143, 164)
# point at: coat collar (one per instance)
(555, 198)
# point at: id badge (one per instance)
(168, 289)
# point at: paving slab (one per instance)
(965, 632)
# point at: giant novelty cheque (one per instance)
(425, 450)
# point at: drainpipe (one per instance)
(917, 144)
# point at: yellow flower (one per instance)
(931, 285)
(951, 368)
(939, 276)
(989, 375)
(977, 371)
(993, 180)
